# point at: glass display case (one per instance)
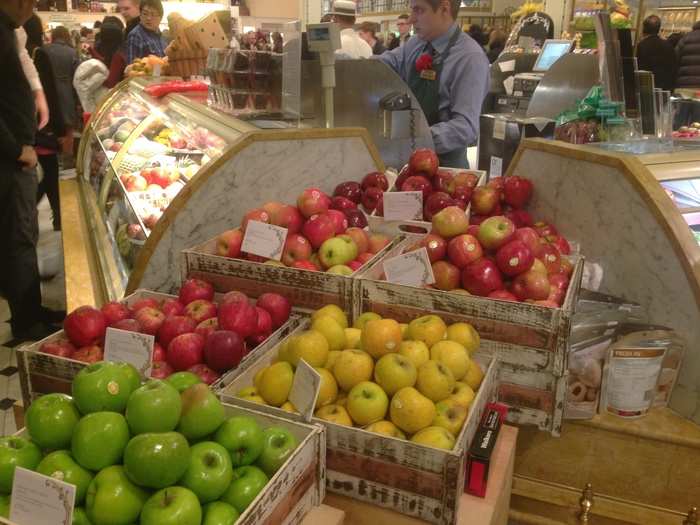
(138, 153)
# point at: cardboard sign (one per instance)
(411, 269)
(122, 346)
(41, 500)
(496, 169)
(403, 205)
(265, 240)
(305, 387)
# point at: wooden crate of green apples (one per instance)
(166, 452)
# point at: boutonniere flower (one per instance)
(424, 62)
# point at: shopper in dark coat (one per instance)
(688, 52)
(656, 55)
(64, 61)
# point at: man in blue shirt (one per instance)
(448, 73)
(145, 39)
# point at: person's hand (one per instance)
(28, 157)
(42, 108)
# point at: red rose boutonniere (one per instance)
(424, 62)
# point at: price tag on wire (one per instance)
(122, 346)
(264, 240)
(412, 269)
(403, 205)
(40, 500)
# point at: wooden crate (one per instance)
(413, 479)
(296, 488)
(41, 373)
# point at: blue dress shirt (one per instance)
(464, 82)
(141, 42)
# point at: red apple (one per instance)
(228, 243)
(360, 237)
(206, 374)
(273, 208)
(403, 175)
(424, 160)
(264, 326)
(446, 275)
(200, 310)
(339, 220)
(476, 220)
(450, 222)
(531, 285)
(463, 194)
(503, 295)
(380, 205)
(544, 229)
(313, 201)
(174, 326)
(520, 218)
(142, 303)
(496, 231)
(550, 257)
(114, 312)
(234, 297)
(343, 203)
(517, 191)
(356, 219)
(207, 326)
(377, 242)
(529, 238)
(223, 350)
(484, 200)
(305, 265)
(88, 354)
(277, 306)
(254, 340)
(172, 307)
(296, 248)
(481, 277)
(370, 198)
(566, 267)
(136, 183)
(463, 179)
(436, 202)
(257, 214)
(185, 350)
(130, 325)
(158, 352)
(354, 265)
(463, 250)
(193, 289)
(442, 181)
(561, 244)
(241, 317)
(496, 183)
(318, 229)
(350, 190)
(435, 245)
(161, 370)
(288, 217)
(85, 326)
(375, 179)
(160, 177)
(418, 183)
(59, 347)
(150, 320)
(514, 258)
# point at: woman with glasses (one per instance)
(145, 39)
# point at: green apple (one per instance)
(242, 437)
(219, 513)
(202, 412)
(154, 407)
(132, 373)
(278, 444)
(80, 517)
(99, 440)
(172, 506)
(183, 380)
(102, 386)
(16, 451)
(367, 403)
(61, 465)
(112, 499)
(340, 269)
(51, 420)
(156, 460)
(247, 482)
(209, 472)
(5, 506)
(337, 250)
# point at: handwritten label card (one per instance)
(496, 169)
(265, 240)
(305, 387)
(41, 500)
(412, 269)
(134, 348)
(403, 205)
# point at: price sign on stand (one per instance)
(40, 500)
(265, 240)
(412, 269)
(130, 347)
(305, 387)
(403, 205)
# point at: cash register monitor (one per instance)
(552, 50)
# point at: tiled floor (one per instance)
(50, 253)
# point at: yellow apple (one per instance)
(429, 328)
(436, 437)
(404, 330)
(309, 345)
(453, 355)
(335, 414)
(386, 428)
(464, 334)
(394, 372)
(463, 394)
(352, 338)
(258, 375)
(410, 410)
(275, 383)
(416, 351)
(334, 311)
(381, 337)
(367, 403)
(352, 367)
(435, 381)
(289, 407)
(332, 331)
(450, 415)
(250, 394)
(332, 357)
(474, 376)
(362, 320)
(342, 400)
(328, 390)
(283, 351)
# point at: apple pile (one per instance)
(191, 332)
(368, 193)
(319, 235)
(410, 381)
(161, 453)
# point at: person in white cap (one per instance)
(344, 13)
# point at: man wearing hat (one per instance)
(448, 73)
(343, 13)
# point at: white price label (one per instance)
(122, 346)
(412, 269)
(41, 500)
(403, 205)
(499, 129)
(496, 169)
(264, 240)
(305, 387)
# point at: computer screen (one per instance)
(552, 50)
